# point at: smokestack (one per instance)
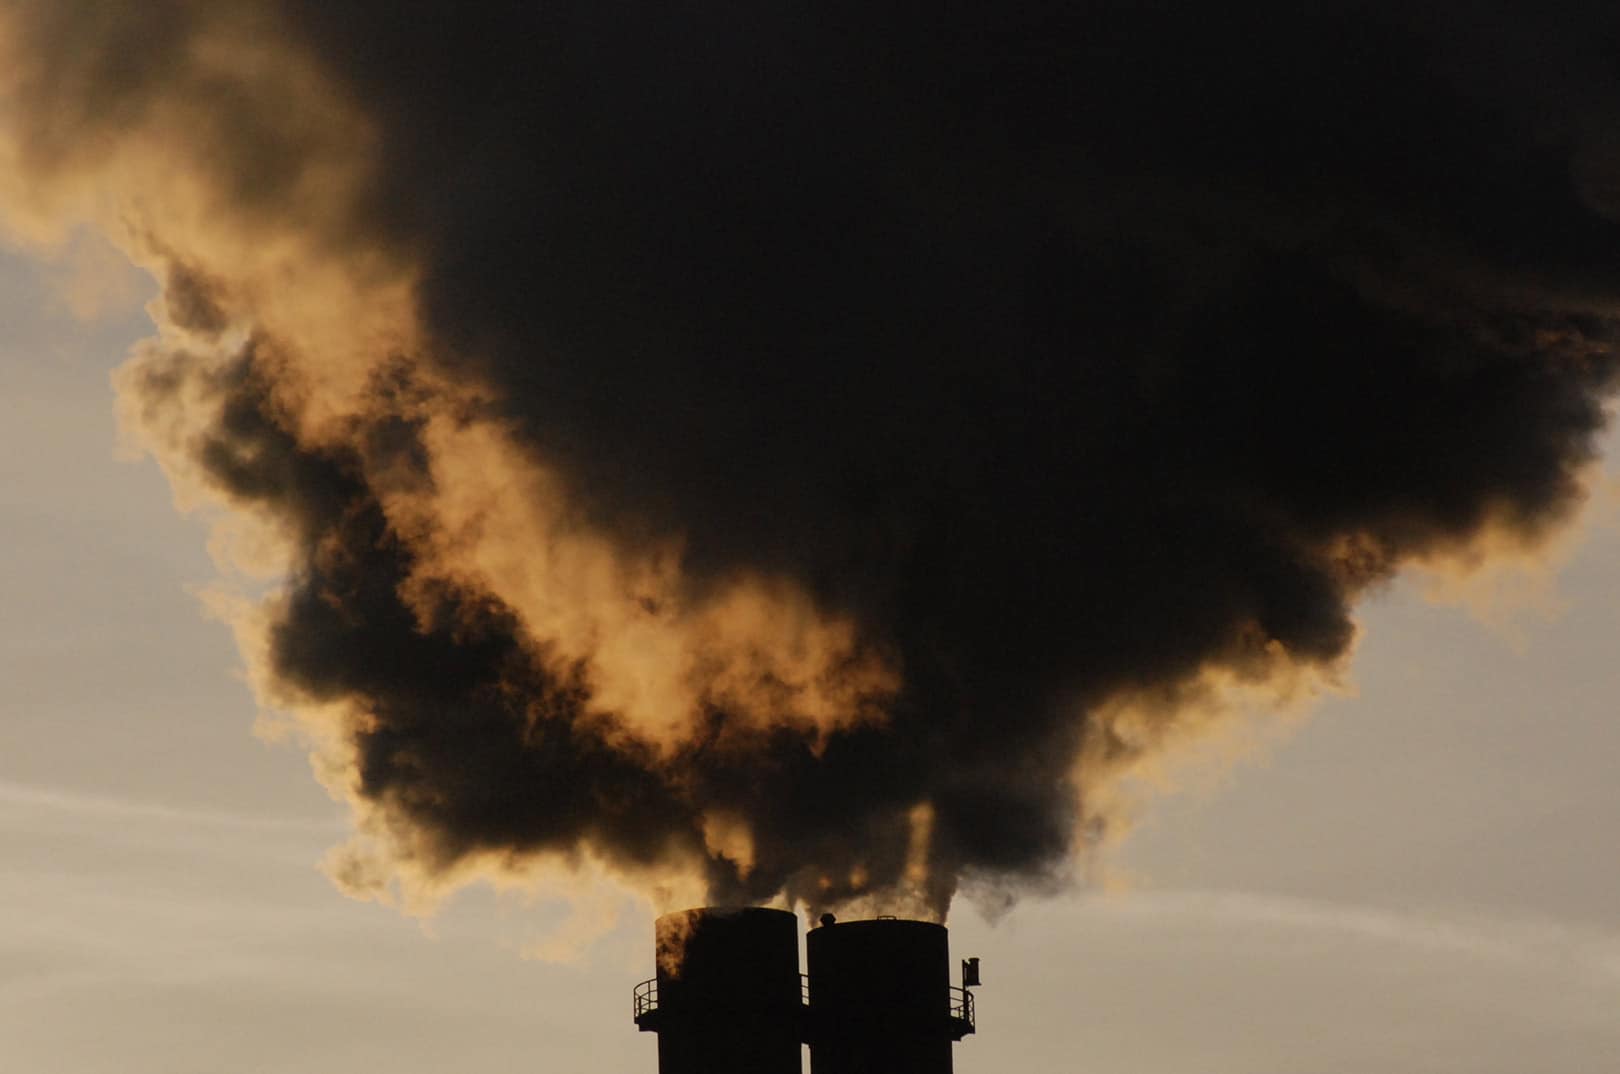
(728, 997)
(881, 998)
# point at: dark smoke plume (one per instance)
(768, 439)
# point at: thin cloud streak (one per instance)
(59, 800)
(1521, 940)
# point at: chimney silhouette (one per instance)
(729, 999)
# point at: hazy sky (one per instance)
(1418, 878)
(557, 462)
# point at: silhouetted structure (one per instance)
(881, 1000)
(729, 999)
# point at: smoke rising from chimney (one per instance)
(808, 451)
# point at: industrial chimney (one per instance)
(881, 998)
(729, 999)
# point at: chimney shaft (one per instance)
(727, 997)
(881, 999)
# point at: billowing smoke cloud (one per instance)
(810, 449)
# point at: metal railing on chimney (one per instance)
(644, 1001)
(645, 998)
(962, 1011)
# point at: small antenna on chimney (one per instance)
(970, 973)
